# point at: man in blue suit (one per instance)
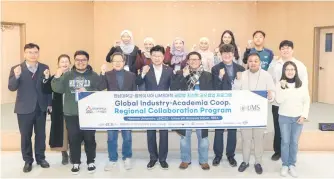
(31, 105)
(157, 77)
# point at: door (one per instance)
(11, 54)
(326, 66)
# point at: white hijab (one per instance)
(127, 48)
(147, 53)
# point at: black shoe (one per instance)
(216, 161)
(151, 164)
(276, 156)
(243, 167)
(64, 160)
(75, 169)
(258, 168)
(91, 168)
(232, 161)
(164, 165)
(27, 167)
(43, 164)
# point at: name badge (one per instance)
(177, 67)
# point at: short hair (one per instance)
(30, 46)
(226, 48)
(253, 54)
(158, 48)
(81, 52)
(117, 53)
(64, 56)
(286, 43)
(194, 53)
(259, 32)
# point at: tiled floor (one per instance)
(310, 165)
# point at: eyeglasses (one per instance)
(194, 59)
(117, 61)
(290, 70)
(157, 56)
(80, 60)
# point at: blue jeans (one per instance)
(113, 143)
(203, 147)
(290, 133)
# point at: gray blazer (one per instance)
(28, 94)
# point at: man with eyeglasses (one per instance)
(80, 78)
(157, 77)
(31, 105)
(275, 69)
(118, 80)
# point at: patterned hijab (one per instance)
(146, 52)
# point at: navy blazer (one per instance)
(225, 83)
(110, 81)
(29, 93)
(151, 82)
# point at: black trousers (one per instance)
(27, 123)
(218, 144)
(152, 145)
(76, 136)
(277, 136)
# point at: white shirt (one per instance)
(260, 80)
(276, 67)
(293, 102)
(157, 73)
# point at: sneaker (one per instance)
(164, 165)
(276, 156)
(243, 166)
(232, 161)
(91, 168)
(127, 164)
(292, 171)
(75, 169)
(284, 171)
(110, 165)
(151, 164)
(258, 168)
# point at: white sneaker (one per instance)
(110, 165)
(284, 171)
(91, 168)
(127, 164)
(292, 171)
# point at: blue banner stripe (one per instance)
(261, 93)
(84, 94)
(129, 128)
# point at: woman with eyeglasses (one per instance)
(294, 103)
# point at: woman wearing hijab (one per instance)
(175, 56)
(144, 56)
(207, 55)
(128, 48)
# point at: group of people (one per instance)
(156, 68)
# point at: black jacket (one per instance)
(225, 83)
(130, 58)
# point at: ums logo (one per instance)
(90, 110)
(250, 108)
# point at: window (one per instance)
(329, 42)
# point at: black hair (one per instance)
(64, 56)
(226, 48)
(286, 43)
(296, 79)
(259, 31)
(157, 48)
(117, 53)
(81, 52)
(194, 53)
(253, 54)
(30, 46)
(236, 53)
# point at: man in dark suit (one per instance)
(31, 105)
(223, 75)
(157, 77)
(118, 80)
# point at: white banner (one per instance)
(106, 110)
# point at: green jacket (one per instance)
(71, 81)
